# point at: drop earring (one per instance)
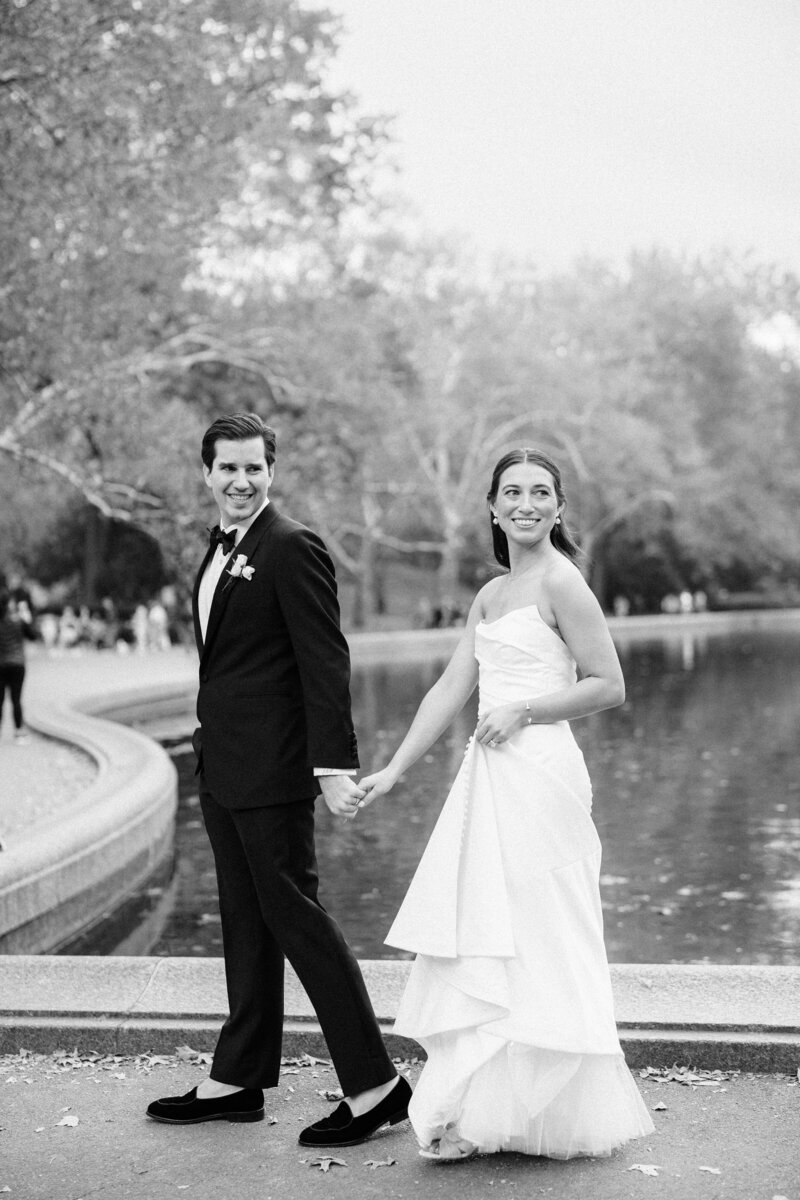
(495, 521)
(558, 520)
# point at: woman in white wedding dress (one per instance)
(510, 994)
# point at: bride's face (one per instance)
(526, 505)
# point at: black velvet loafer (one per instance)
(341, 1128)
(244, 1105)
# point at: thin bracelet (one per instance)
(528, 708)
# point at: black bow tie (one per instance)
(222, 537)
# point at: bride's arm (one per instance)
(440, 705)
(583, 627)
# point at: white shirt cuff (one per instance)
(333, 771)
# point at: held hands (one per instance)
(380, 783)
(342, 795)
(497, 726)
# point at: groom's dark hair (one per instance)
(238, 427)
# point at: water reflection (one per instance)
(697, 801)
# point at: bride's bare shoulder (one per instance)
(562, 577)
(486, 595)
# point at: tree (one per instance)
(135, 137)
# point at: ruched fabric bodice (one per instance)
(510, 991)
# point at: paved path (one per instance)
(744, 1130)
(37, 779)
(43, 776)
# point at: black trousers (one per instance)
(12, 676)
(267, 877)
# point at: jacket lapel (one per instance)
(228, 582)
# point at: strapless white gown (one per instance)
(510, 993)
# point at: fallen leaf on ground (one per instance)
(145, 1062)
(710, 1170)
(330, 1093)
(380, 1162)
(70, 1121)
(326, 1163)
(645, 1168)
(659, 1107)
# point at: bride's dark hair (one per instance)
(560, 536)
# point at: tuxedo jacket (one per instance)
(274, 698)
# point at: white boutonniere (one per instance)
(240, 567)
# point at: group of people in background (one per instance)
(154, 625)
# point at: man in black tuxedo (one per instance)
(275, 729)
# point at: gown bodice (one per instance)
(519, 657)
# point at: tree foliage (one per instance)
(135, 134)
(189, 225)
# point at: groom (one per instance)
(275, 729)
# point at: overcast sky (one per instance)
(554, 127)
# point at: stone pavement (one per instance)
(74, 1129)
(38, 778)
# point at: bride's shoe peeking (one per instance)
(450, 1147)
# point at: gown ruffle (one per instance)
(510, 993)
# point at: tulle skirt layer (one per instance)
(507, 1096)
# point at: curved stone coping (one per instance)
(743, 1017)
(61, 873)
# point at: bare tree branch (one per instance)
(86, 489)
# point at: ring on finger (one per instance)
(492, 743)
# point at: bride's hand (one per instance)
(380, 783)
(497, 726)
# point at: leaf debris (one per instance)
(326, 1162)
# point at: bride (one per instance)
(510, 994)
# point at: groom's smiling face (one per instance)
(239, 478)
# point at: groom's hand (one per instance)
(341, 794)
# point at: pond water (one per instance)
(696, 799)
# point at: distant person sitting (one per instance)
(13, 631)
